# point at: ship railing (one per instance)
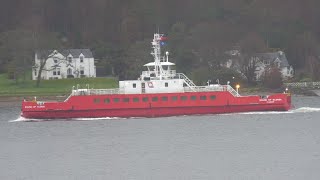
(104, 91)
(83, 92)
(164, 74)
(216, 87)
(189, 83)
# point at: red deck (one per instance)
(153, 105)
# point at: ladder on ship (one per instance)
(186, 80)
(232, 91)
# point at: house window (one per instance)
(82, 70)
(70, 59)
(154, 99)
(58, 72)
(55, 60)
(134, 85)
(54, 72)
(35, 72)
(193, 98)
(116, 100)
(81, 59)
(69, 71)
(166, 84)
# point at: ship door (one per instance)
(143, 88)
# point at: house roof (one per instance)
(271, 57)
(74, 52)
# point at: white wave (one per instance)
(96, 119)
(299, 110)
(22, 119)
(306, 110)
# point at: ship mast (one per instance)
(156, 53)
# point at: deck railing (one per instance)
(211, 88)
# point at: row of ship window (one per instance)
(155, 99)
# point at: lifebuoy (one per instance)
(150, 84)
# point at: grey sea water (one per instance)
(261, 145)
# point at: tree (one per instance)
(272, 78)
(131, 64)
(48, 43)
(16, 52)
(304, 53)
(250, 46)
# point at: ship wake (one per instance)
(22, 119)
(298, 110)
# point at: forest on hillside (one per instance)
(199, 32)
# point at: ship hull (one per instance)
(95, 107)
(155, 112)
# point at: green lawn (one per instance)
(51, 87)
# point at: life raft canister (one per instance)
(150, 84)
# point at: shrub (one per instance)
(272, 78)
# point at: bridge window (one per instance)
(212, 97)
(164, 98)
(166, 84)
(193, 98)
(154, 99)
(134, 85)
(203, 97)
(107, 100)
(145, 99)
(183, 98)
(96, 100)
(174, 98)
(125, 100)
(116, 100)
(135, 99)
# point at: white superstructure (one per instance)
(160, 77)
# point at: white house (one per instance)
(71, 63)
(262, 61)
(277, 59)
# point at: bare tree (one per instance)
(250, 46)
(43, 57)
(45, 41)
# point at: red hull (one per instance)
(158, 105)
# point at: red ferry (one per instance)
(159, 91)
